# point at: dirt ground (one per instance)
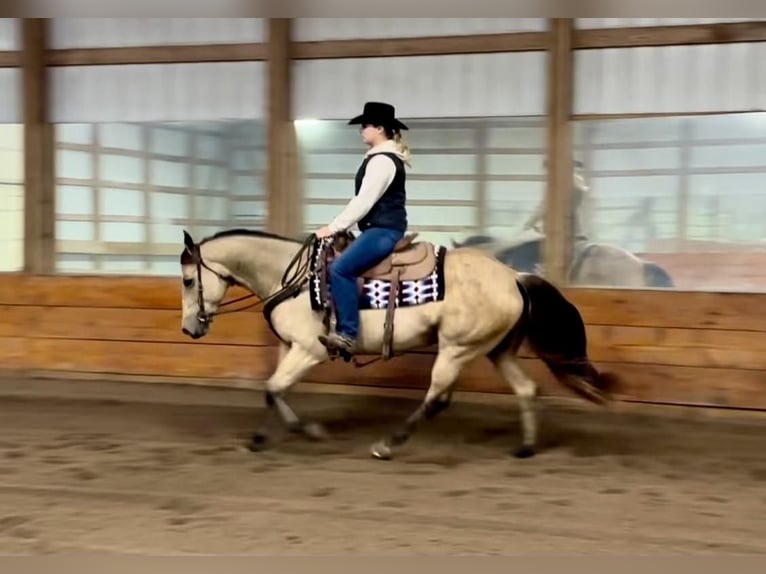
(163, 471)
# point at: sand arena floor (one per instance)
(157, 469)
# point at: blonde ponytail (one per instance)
(403, 147)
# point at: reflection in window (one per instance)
(126, 191)
(687, 193)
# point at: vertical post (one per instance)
(284, 208)
(39, 176)
(481, 182)
(558, 214)
(682, 205)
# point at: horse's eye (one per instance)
(188, 282)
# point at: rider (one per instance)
(579, 208)
(379, 211)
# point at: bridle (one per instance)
(202, 315)
(289, 287)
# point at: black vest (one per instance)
(389, 211)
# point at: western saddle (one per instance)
(410, 261)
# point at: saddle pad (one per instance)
(374, 293)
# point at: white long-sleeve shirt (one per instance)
(378, 176)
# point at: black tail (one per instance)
(555, 331)
(656, 276)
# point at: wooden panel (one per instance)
(742, 270)
(694, 348)
(670, 347)
(737, 388)
(94, 291)
(177, 54)
(629, 307)
(677, 347)
(431, 46)
(9, 59)
(411, 371)
(138, 358)
(645, 383)
(679, 309)
(119, 324)
(607, 344)
(679, 385)
(721, 33)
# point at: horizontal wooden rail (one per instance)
(426, 46)
(179, 54)
(633, 37)
(685, 35)
(10, 59)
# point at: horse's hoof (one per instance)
(524, 452)
(381, 451)
(258, 443)
(315, 431)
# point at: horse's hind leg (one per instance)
(526, 389)
(449, 362)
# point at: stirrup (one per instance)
(338, 345)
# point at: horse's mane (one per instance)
(249, 233)
(186, 258)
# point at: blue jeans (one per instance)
(367, 250)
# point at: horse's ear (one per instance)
(188, 242)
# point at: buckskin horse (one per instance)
(466, 301)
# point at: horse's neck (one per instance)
(259, 262)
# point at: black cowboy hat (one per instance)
(378, 114)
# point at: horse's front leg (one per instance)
(294, 363)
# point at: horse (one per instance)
(467, 302)
(594, 264)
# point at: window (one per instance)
(11, 156)
(126, 191)
(687, 193)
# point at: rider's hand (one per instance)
(324, 232)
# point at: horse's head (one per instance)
(205, 284)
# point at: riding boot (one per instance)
(336, 342)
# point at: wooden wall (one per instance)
(669, 347)
(714, 270)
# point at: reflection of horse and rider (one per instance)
(591, 263)
(581, 210)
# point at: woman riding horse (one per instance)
(378, 208)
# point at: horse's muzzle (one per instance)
(193, 335)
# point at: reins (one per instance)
(288, 283)
(296, 275)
